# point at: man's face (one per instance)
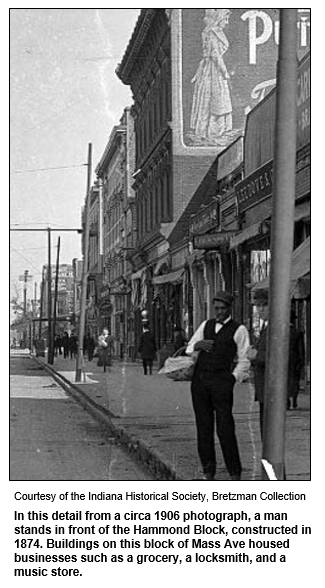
(263, 310)
(222, 311)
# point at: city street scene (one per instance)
(160, 303)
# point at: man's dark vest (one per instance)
(224, 349)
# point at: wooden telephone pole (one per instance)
(83, 301)
(282, 232)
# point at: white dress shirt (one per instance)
(241, 338)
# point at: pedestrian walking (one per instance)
(296, 362)
(105, 343)
(66, 344)
(57, 346)
(147, 349)
(179, 340)
(218, 341)
(89, 346)
(73, 346)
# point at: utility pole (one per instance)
(49, 300)
(41, 307)
(57, 269)
(25, 278)
(282, 232)
(25, 292)
(22, 278)
(34, 313)
(83, 301)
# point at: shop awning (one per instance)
(160, 263)
(302, 211)
(300, 272)
(301, 260)
(244, 235)
(171, 278)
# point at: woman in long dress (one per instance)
(211, 114)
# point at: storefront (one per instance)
(168, 304)
(300, 296)
(254, 194)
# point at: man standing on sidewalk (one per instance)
(218, 340)
(147, 349)
(257, 353)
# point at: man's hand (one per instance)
(252, 353)
(204, 345)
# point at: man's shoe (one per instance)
(208, 477)
(235, 477)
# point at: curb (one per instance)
(136, 448)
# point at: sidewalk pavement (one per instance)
(152, 417)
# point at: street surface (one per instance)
(52, 437)
(151, 416)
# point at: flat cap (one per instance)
(225, 297)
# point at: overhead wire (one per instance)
(33, 170)
(26, 259)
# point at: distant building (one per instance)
(77, 265)
(65, 292)
(114, 172)
(95, 261)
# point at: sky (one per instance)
(64, 95)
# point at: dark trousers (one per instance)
(213, 402)
(261, 418)
(147, 363)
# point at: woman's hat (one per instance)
(260, 296)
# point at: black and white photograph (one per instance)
(160, 284)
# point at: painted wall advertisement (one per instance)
(227, 64)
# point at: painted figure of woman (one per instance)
(211, 115)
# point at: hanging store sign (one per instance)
(259, 185)
(255, 188)
(105, 293)
(205, 219)
(211, 240)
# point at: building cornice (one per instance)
(160, 146)
(111, 147)
(133, 50)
